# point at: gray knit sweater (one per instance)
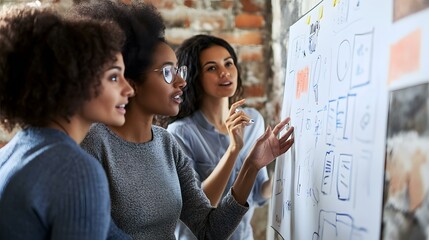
(152, 185)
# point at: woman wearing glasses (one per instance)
(152, 184)
(215, 134)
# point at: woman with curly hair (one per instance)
(212, 130)
(57, 77)
(152, 183)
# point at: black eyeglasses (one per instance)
(169, 71)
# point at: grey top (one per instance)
(205, 146)
(51, 189)
(152, 185)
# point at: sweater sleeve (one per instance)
(81, 209)
(205, 221)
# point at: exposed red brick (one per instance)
(176, 20)
(246, 38)
(162, 4)
(227, 4)
(256, 90)
(189, 3)
(249, 6)
(246, 20)
(186, 23)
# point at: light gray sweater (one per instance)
(152, 185)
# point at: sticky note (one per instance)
(309, 19)
(321, 13)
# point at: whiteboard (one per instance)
(345, 59)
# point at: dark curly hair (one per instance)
(188, 54)
(50, 65)
(143, 27)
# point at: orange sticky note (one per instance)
(301, 82)
(405, 56)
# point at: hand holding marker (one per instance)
(251, 121)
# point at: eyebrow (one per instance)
(115, 67)
(213, 62)
(167, 63)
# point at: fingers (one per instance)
(281, 125)
(236, 105)
(237, 116)
(287, 134)
(287, 145)
(284, 143)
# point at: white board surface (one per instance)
(344, 58)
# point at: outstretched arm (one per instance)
(266, 149)
(214, 185)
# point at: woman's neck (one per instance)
(137, 127)
(216, 112)
(74, 127)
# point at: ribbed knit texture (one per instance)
(51, 189)
(152, 185)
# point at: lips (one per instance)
(121, 108)
(177, 97)
(227, 83)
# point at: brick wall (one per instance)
(246, 24)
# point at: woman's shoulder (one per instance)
(161, 133)
(181, 125)
(97, 140)
(252, 111)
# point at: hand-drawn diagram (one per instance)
(328, 172)
(341, 226)
(314, 35)
(344, 178)
(362, 59)
(333, 106)
(344, 60)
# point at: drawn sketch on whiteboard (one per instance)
(406, 204)
(332, 99)
(338, 226)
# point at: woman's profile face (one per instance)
(218, 72)
(155, 95)
(109, 106)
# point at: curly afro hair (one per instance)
(143, 27)
(50, 65)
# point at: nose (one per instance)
(179, 82)
(127, 90)
(224, 73)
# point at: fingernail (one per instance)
(237, 110)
